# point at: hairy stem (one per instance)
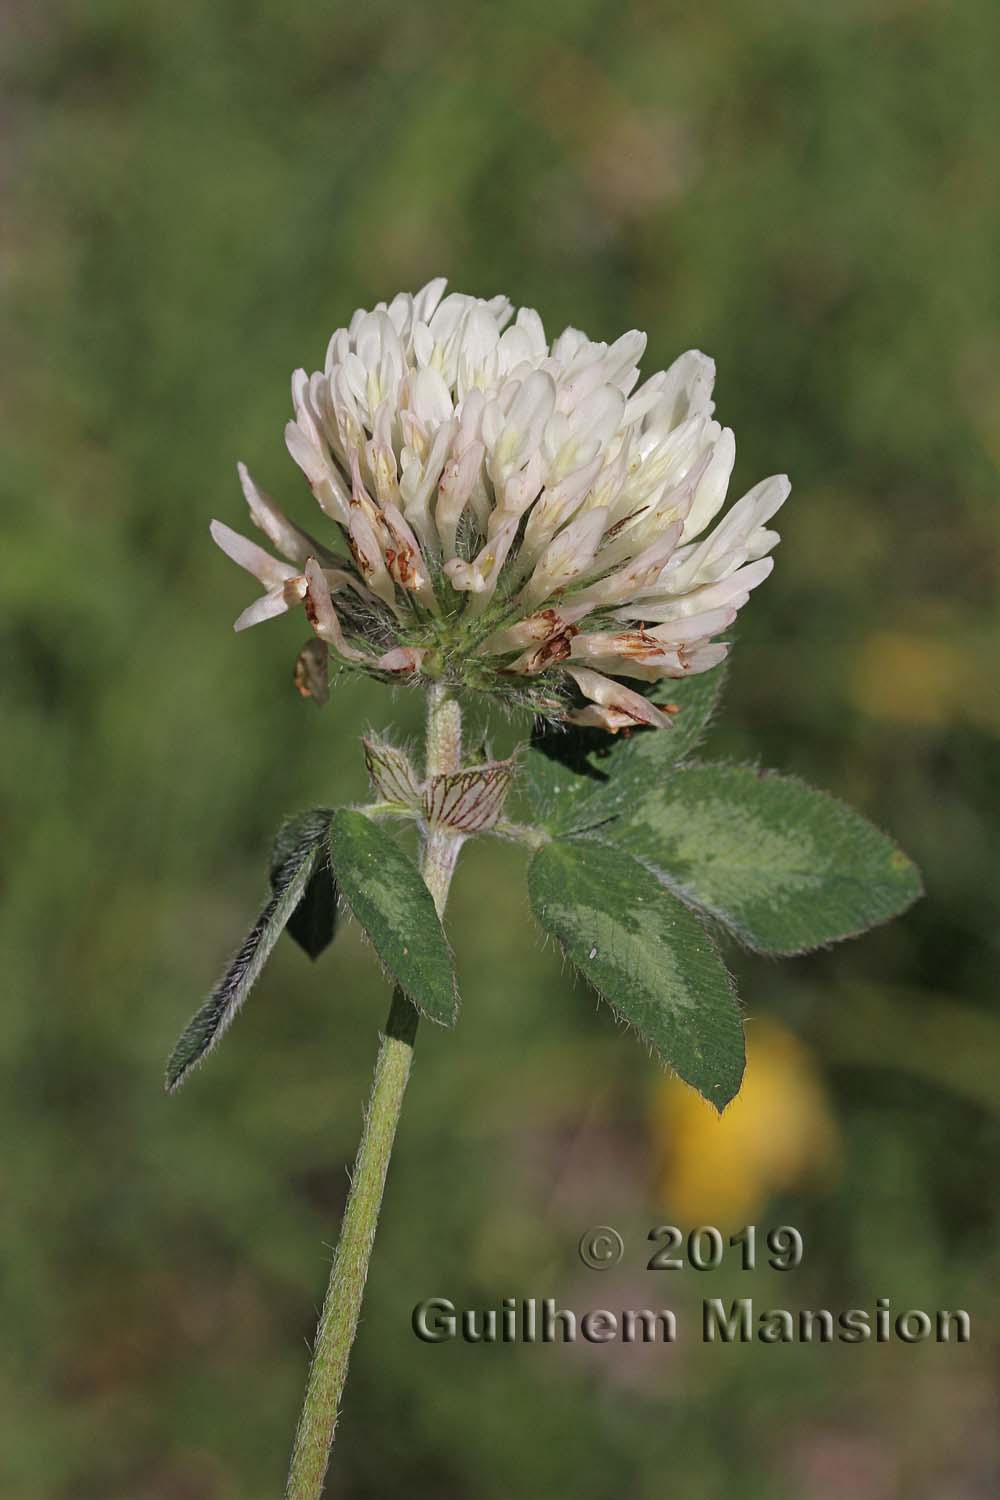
(342, 1305)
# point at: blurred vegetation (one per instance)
(196, 194)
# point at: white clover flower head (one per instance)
(510, 516)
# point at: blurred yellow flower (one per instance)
(779, 1133)
(912, 679)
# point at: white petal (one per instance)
(479, 578)
(401, 659)
(535, 629)
(710, 494)
(447, 315)
(419, 480)
(644, 399)
(323, 617)
(600, 416)
(427, 299)
(267, 607)
(317, 466)
(686, 392)
(246, 554)
(761, 542)
(404, 559)
(566, 557)
(613, 695)
(292, 543)
(479, 338)
(430, 399)
(638, 573)
(554, 508)
(694, 627)
(511, 440)
(611, 720)
(337, 350)
(461, 475)
(368, 554)
(621, 361)
(734, 591)
(727, 547)
(704, 658)
(568, 344)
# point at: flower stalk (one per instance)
(349, 1272)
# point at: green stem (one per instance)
(342, 1305)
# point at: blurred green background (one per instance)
(196, 195)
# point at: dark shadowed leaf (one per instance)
(386, 893)
(647, 955)
(314, 921)
(786, 868)
(295, 866)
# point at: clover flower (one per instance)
(511, 516)
(525, 520)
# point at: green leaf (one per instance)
(647, 955)
(313, 922)
(696, 699)
(387, 894)
(560, 796)
(212, 1021)
(578, 778)
(784, 867)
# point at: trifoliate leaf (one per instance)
(647, 955)
(784, 867)
(296, 864)
(387, 894)
(578, 778)
(314, 921)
